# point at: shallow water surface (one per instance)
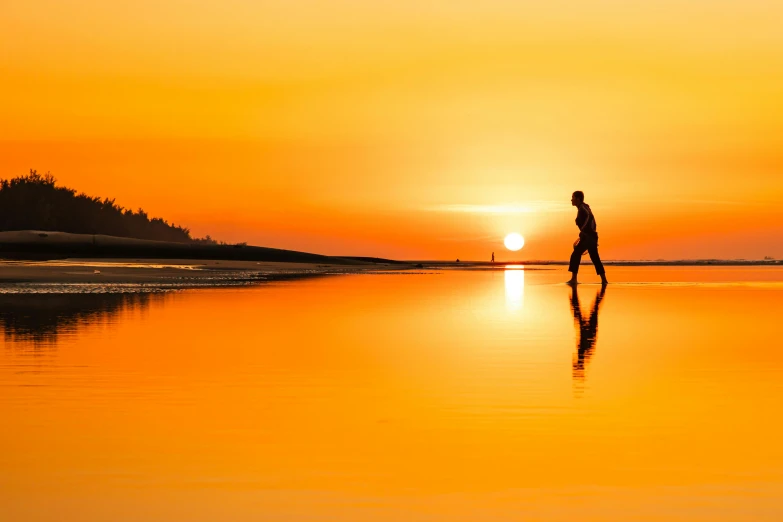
(454, 395)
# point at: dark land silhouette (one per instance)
(36, 202)
(40, 219)
(36, 245)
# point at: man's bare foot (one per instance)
(572, 282)
(604, 282)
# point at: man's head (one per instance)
(577, 198)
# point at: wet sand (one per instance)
(185, 273)
(177, 272)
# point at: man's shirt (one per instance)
(585, 220)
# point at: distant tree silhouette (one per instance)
(36, 202)
(207, 240)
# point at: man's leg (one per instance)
(596, 259)
(576, 258)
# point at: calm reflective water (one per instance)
(470, 395)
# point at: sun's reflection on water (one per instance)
(515, 287)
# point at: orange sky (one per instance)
(409, 129)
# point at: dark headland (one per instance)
(50, 233)
(31, 256)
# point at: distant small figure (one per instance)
(457, 260)
(588, 239)
(493, 258)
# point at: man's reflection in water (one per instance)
(587, 330)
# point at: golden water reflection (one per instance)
(404, 397)
(514, 277)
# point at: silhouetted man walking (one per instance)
(588, 239)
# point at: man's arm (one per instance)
(581, 218)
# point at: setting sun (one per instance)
(514, 241)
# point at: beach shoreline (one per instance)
(138, 274)
(179, 273)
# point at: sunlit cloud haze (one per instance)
(510, 208)
(397, 128)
